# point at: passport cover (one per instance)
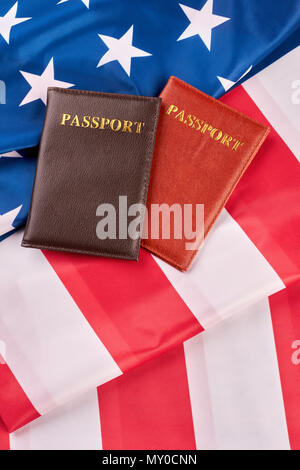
(95, 147)
(202, 149)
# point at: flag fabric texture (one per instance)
(236, 386)
(123, 46)
(127, 46)
(65, 331)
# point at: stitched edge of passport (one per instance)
(161, 255)
(214, 100)
(104, 94)
(27, 244)
(150, 145)
(164, 257)
(35, 174)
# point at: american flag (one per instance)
(184, 378)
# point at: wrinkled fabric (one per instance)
(215, 392)
(68, 32)
(71, 323)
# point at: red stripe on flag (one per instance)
(4, 437)
(149, 407)
(285, 308)
(263, 202)
(132, 307)
(22, 411)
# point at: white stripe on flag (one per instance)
(276, 91)
(199, 393)
(228, 274)
(75, 426)
(245, 397)
(50, 347)
(11, 155)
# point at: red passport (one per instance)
(202, 149)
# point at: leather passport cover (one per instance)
(95, 147)
(202, 149)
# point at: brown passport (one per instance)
(202, 149)
(96, 150)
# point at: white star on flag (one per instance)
(121, 50)
(86, 2)
(227, 84)
(40, 83)
(202, 22)
(8, 21)
(6, 221)
(11, 155)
